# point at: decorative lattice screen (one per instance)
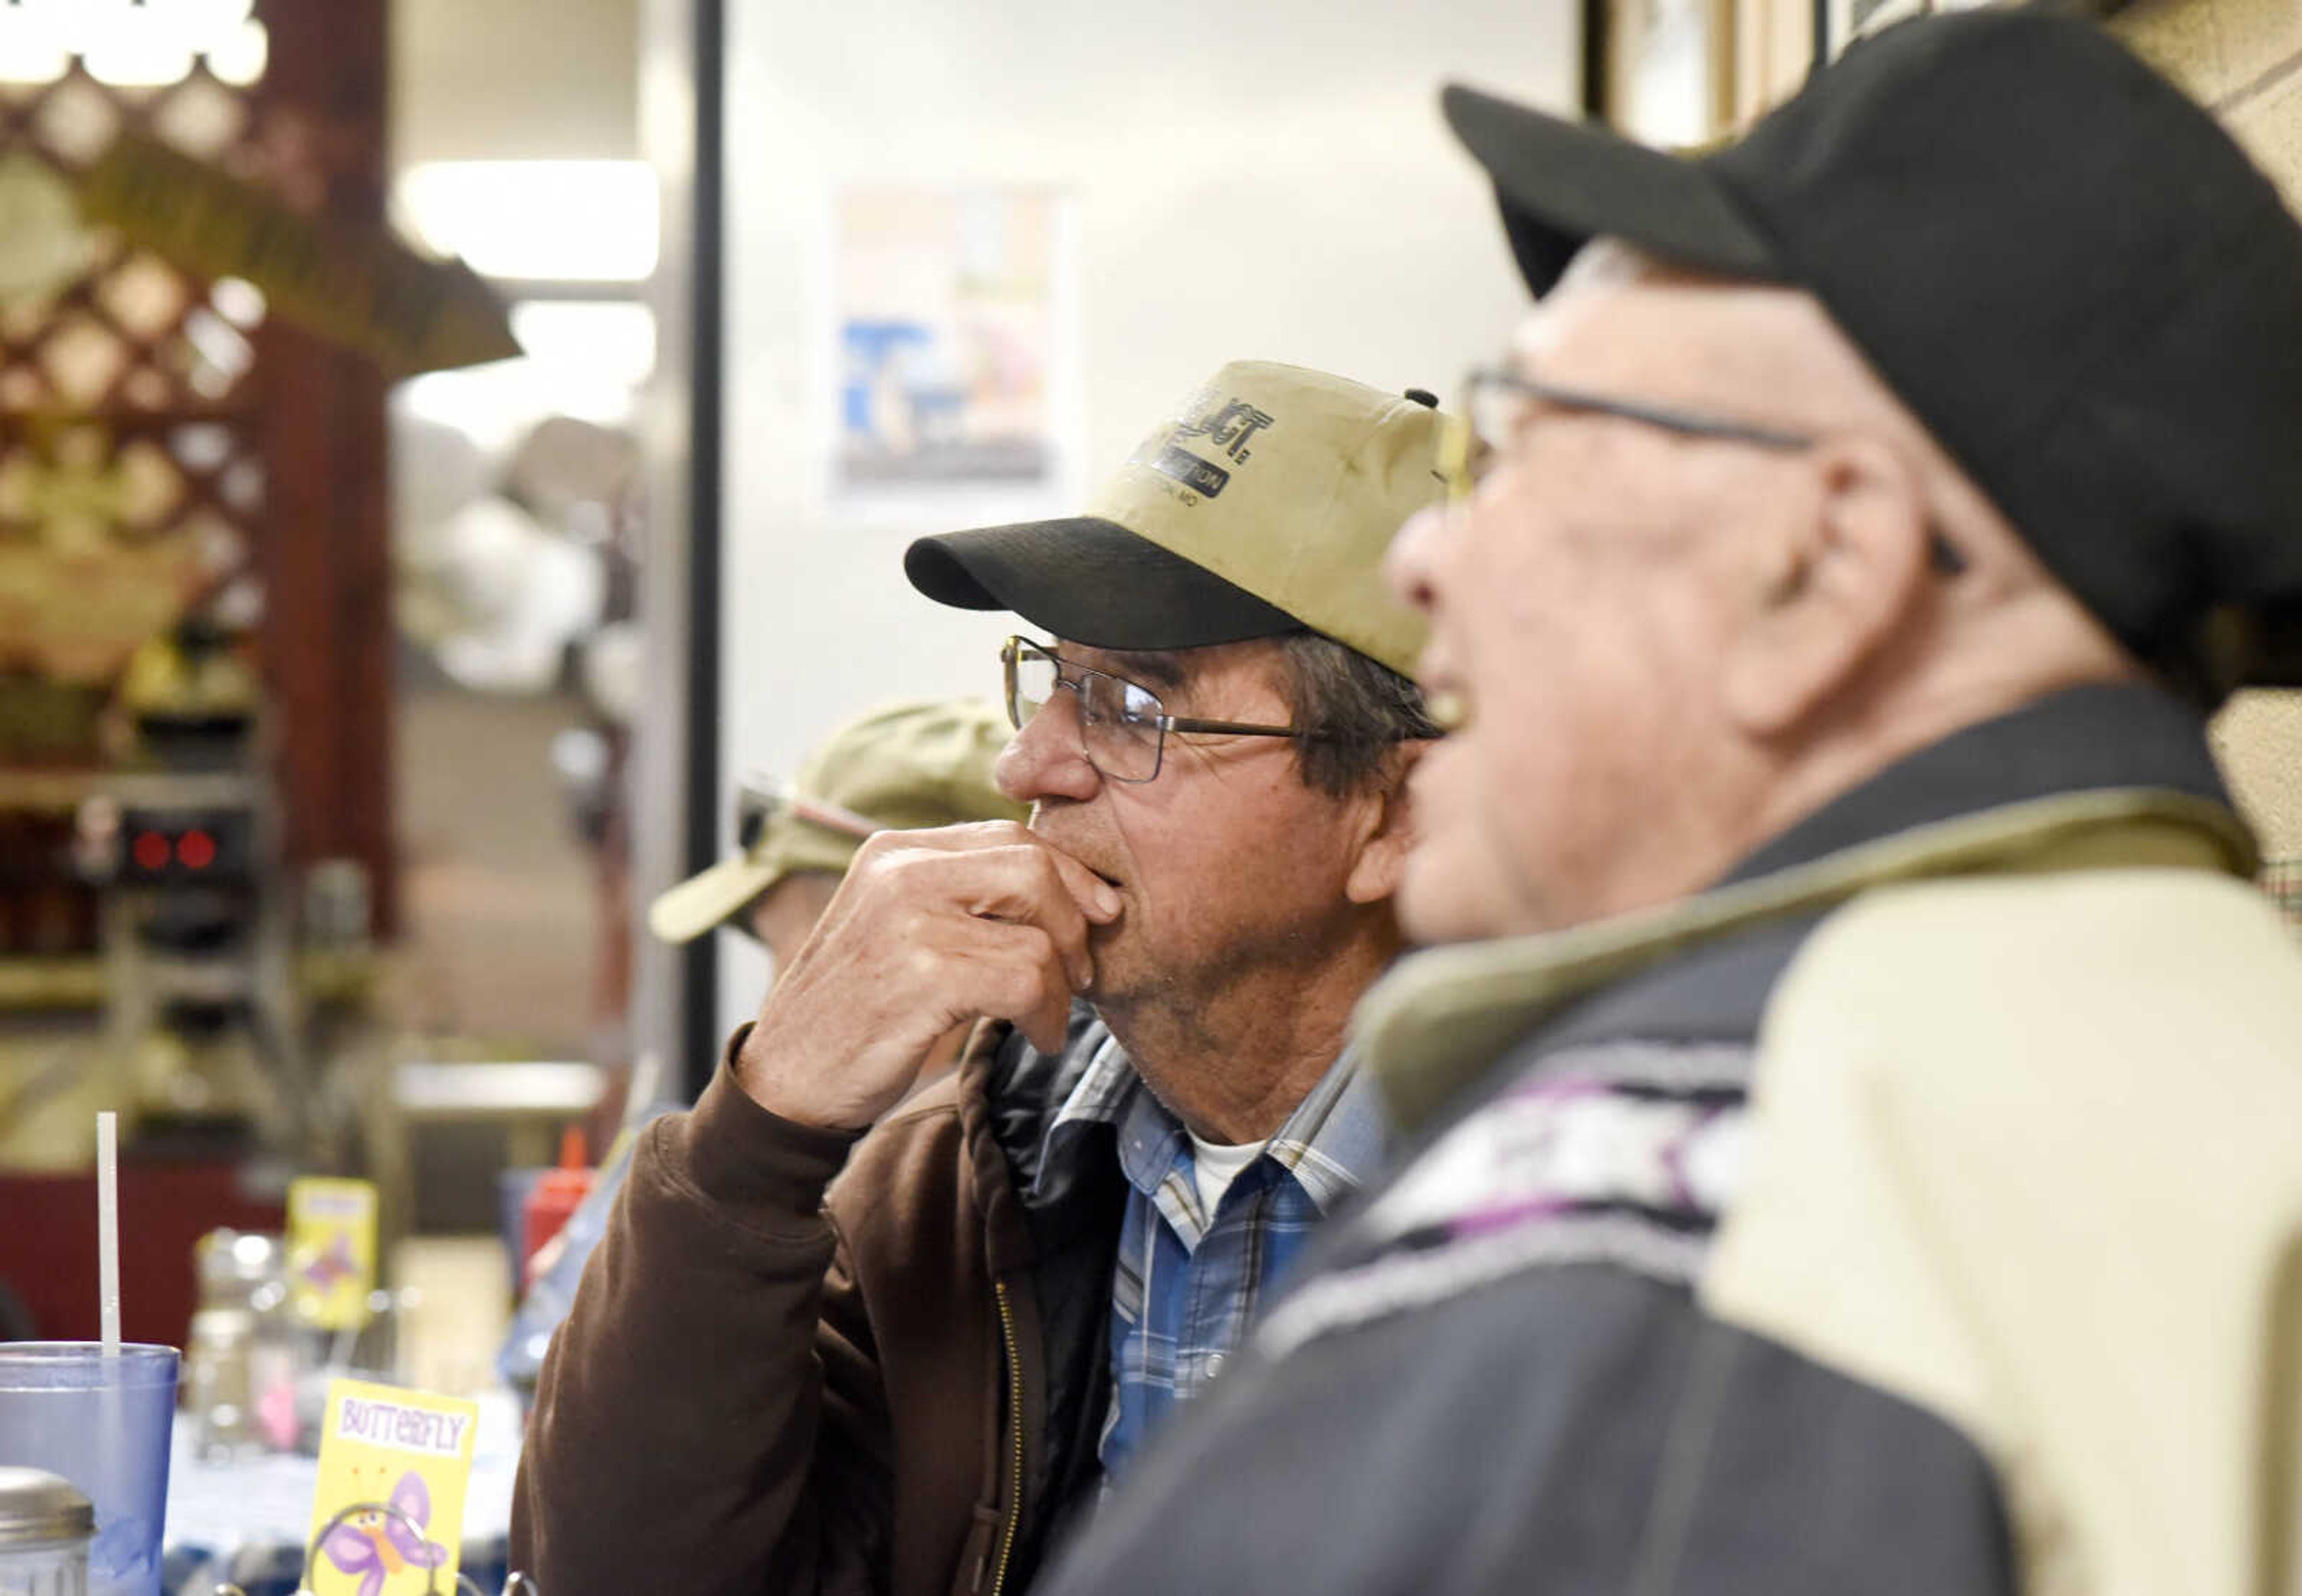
(160, 436)
(141, 418)
(131, 479)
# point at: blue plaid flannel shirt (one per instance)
(1188, 1283)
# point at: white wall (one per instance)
(1249, 180)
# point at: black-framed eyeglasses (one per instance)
(1122, 724)
(1493, 409)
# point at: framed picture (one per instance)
(947, 340)
(1774, 53)
(1668, 74)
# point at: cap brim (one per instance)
(1090, 581)
(1561, 184)
(709, 898)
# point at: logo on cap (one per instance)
(1230, 426)
(1227, 422)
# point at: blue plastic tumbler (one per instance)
(102, 1423)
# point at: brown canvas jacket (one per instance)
(773, 1379)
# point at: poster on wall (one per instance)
(946, 332)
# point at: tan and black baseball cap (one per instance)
(903, 767)
(1262, 506)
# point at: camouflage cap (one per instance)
(902, 767)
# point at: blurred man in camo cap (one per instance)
(906, 767)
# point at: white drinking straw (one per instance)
(107, 1227)
(110, 1417)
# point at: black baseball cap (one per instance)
(2060, 263)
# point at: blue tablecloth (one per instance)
(245, 1521)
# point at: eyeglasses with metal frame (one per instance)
(1495, 407)
(1122, 724)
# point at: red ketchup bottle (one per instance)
(552, 1201)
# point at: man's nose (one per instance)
(1045, 759)
(1409, 565)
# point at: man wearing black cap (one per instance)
(1859, 1141)
(911, 1383)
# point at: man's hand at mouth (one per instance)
(930, 929)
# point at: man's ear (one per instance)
(1835, 586)
(1388, 831)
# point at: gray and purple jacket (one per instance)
(1919, 1209)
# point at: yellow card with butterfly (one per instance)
(389, 1513)
(332, 1250)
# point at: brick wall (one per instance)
(2243, 58)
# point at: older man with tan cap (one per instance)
(1024, 1270)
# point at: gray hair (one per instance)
(1357, 710)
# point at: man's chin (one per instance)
(1447, 895)
(1106, 945)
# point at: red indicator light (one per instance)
(196, 851)
(150, 851)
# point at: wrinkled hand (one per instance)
(930, 929)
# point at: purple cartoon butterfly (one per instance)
(333, 1265)
(376, 1545)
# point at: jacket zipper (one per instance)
(1015, 1428)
